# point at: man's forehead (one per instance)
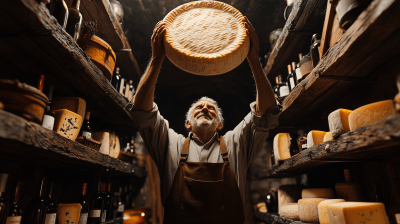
(204, 102)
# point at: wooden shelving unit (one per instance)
(274, 218)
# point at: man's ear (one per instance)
(219, 126)
(188, 125)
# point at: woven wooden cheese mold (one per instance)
(89, 143)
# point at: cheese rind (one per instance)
(318, 193)
(328, 137)
(315, 138)
(206, 37)
(290, 211)
(67, 123)
(282, 146)
(323, 209)
(308, 209)
(371, 113)
(339, 122)
(357, 212)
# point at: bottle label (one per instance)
(50, 218)
(13, 220)
(83, 218)
(48, 122)
(298, 74)
(95, 213)
(86, 134)
(304, 146)
(121, 208)
(103, 216)
(284, 91)
(292, 84)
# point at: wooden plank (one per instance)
(30, 142)
(59, 56)
(370, 143)
(273, 218)
(362, 49)
(307, 16)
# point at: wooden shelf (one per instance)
(34, 43)
(356, 58)
(370, 143)
(273, 218)
(24, 141)
(307, 18)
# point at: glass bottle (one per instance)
(283, 87)
(59, 9)
(108, 195)
(271, 202)
(126, 93)
(96, 207)
(116, 80)
(41, 82)
(86, 130)
(51, 207)
(14, 215)
(131, 90)
(74, 20)
(298, 71)
(35, 212)
(3, 201)
(120, 206)
(290, 78)
(48, 118)
(83, 219)
(301, 140)
(122, 87)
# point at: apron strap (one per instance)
(185, 150)
(223, 148)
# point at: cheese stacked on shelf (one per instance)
(371, 113)
(323, 210)
(315, 138)
(67, 123)
(318, 193)
(339, 122)
(290, 211)
(357, 212)
(328, 137)
(206, 37)
(308, 209)
(282, 146)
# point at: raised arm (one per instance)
(144, 96)
(265, 95)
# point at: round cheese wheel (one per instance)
(206, 37)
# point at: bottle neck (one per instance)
(41, 188)
(84, 187)
(76, 4)
(289, 67)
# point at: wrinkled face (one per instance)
(204, 115)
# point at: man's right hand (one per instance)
(157, 41)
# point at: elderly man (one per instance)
(203, 176)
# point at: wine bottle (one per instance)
(108, 195)
(282, 87)
(301, 140)
(35, 212)
(74, 20)
(116, 80)
(294, 73)
(59, 9)
(122, 87)
(14, 212)
(299, 76)
(3, 201)
(96, 207)
(41, 82)
(86, 130)
(83, 219)
(131, 90)
(120, 206)
(290, 78)
(126, 93)
(51, 207)
(48, 118)
(132, 145)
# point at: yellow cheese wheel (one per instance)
(323, 210)
(328, 137)
(67, 123)
(339, 122)
(371, 113)
(68, 213)
(308, 209)
(282, 146)
(206, 37)
(318, 193)
(290, 211)
(357, 212)
(315, 138)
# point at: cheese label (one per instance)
(83, 218)
(48, 122)
(50, 218)
(13, 220)
(95, 213)
(86, 134)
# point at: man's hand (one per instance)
(254, 44)
(157, 41)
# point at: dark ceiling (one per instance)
(176, 89)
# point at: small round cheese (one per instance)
(290, 211)
(323, 210)
(308, 209)
(206, 37)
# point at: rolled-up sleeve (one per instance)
(269, 120)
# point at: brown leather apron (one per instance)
(204, 192)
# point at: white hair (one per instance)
(204, 98)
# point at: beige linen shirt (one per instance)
(244, 143)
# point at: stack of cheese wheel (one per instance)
(206, 37)
(308, 205)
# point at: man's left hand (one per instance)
(254, 44)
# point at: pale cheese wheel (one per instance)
(206, 37)
(104, 138)
(318, 193)
(357, 212)
(339, 122)
(290, 211)
(315, 138)
(282, 146)
(308, 209)
(371, 113)
(323, 210)
(328, 137)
